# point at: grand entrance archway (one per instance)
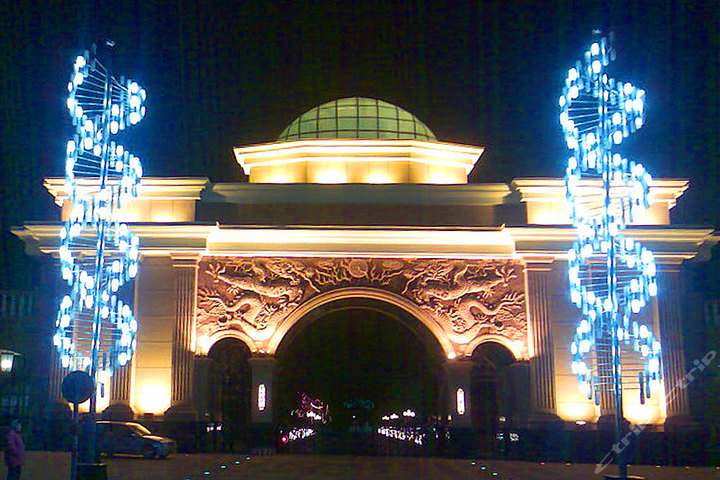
(447, 306)
(365, 359)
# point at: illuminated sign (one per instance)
(261, 397)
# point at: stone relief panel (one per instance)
(467, 298)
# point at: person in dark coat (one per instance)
(14, 451)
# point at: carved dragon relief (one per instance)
(468, 298)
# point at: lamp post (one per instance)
(612, 276)
(7, 360)
(7, 363)
(95, 329)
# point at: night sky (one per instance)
(225, 74)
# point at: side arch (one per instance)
(425, 319)
(515, 349)
(218, 335)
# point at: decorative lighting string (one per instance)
(612, 276)
(297, 433)
(405, 434)
(312, 409)
(95, 329)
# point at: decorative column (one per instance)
(119, 408)
(263, 389)
(262, 401)
(182, 365)
(516, 384)
(457, 384)
(673, 363)
(57, 374)
(120, 385)
(542, 368)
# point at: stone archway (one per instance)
(417, 320)
(225, 396)
(364, 359)
(490, 360)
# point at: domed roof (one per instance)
(357, 118)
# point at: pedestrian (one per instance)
(14, 451)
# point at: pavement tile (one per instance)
(56, 466)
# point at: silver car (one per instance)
(131, 438)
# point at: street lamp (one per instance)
(7, 360)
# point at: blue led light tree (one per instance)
(612, 276)
(95, 330)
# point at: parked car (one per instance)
(131, 438)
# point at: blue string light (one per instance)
(95, 330)
(612, 276)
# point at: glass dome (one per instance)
(357, 118)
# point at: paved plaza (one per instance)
(55, 466)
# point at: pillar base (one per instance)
(681, 422)
(180, 422)
(463, 443)
(57, 410)
(607, 422)
(120, 412)
(545, 421)
(262, 436)
(55, 430)
(182, 412)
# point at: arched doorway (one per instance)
(228, 409)
(492, 410)
(365, 359)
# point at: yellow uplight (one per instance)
(330, 176)
(279, 178)
(641, 414)
(378, 178)
(153, 398)
(442, 179)
(574, 411)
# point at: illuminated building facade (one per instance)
(358, 205)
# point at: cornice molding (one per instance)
(551, 189)
(319, 150)
(483, 194)
(155, 188)
(531, 243)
